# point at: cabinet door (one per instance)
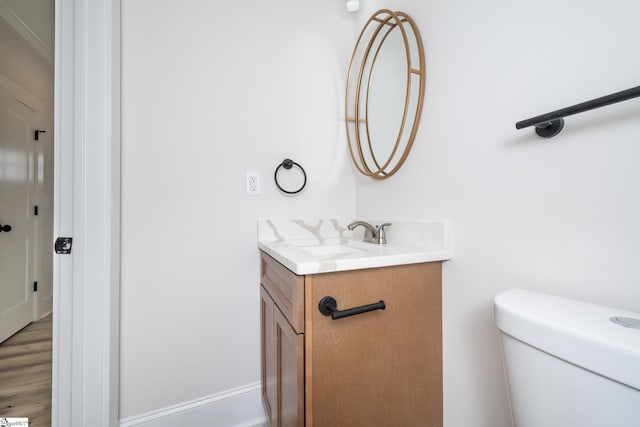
(380, 368)
(290, 373)
(268, 357)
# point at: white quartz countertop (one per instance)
(326, 245)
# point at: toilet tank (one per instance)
(567, 363)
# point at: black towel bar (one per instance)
(550, 124)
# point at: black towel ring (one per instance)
(288, 164)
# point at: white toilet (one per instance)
(567, 363)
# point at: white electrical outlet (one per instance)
(253, 183)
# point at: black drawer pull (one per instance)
(328, 307)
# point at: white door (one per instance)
(17, 124)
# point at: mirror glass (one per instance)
(385, 91)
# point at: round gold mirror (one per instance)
(385, 92)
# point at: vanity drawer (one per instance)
(285, 288)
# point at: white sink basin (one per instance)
(330, 249)
(314, 246)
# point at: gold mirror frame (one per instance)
(365, 54)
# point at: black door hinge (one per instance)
(35, 286)
(35, 210)
(63, 245)
(37, 132)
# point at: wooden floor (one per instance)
(25, 374)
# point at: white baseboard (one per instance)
(238, 407)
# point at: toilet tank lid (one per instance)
(575, 331)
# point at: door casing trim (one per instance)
(86, 206)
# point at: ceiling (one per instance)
(34, 20)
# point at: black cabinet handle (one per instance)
(328, 307)
(6, 228)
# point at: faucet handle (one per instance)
(382, 238)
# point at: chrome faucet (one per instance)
(371, 234)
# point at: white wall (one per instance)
(209, 91)
(21, 63)
(559, 215)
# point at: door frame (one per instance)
(86, 207)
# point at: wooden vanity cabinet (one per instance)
(282, 346)
(379, 368)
